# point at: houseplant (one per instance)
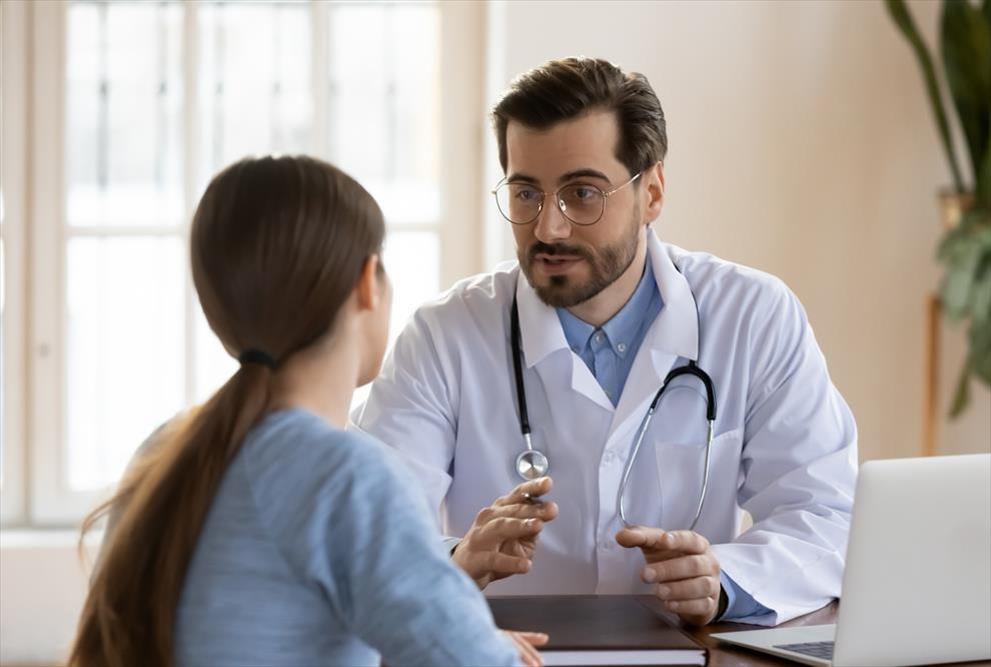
(965, 250)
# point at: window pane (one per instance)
(213, 365)
(3, 333)
(412, 260)
(123, 111)
(384, 115)
(125, 350)
(255, 82)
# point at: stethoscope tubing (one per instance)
(529, 455)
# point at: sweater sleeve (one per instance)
(354, 523)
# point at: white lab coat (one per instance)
(784, 448)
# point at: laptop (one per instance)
(917, 584)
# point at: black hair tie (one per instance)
(252, 356)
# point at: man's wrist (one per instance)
(452, 544)
(723, 603)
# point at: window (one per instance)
(13, 146)
(136, 105)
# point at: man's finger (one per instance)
(683, 567)
(507, 528)
(544, 511)
(688, 589)
(500, 563)
(685, 541)
(640, 536)
(527, 491)
(703, 608)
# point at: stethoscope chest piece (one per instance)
(531, 464)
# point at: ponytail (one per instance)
(129, 618)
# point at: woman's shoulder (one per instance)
(305, 434)
(293, 453)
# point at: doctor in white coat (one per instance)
(606, 310)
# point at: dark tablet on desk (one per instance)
(599, 629)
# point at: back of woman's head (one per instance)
(277, 247)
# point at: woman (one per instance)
(255, 530)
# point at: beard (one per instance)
(605, 266)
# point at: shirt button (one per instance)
(598, 337)
(621, 347)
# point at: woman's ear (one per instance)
(367, 288)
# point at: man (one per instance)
(605, 312)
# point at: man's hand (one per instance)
(684, 568)
(502, 539)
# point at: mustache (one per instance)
(556, 249)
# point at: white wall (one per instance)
(801, 143)
(42, 589)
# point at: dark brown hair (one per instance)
(564, 89)
(278, 245)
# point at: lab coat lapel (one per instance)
(673, 335)
(543, 337)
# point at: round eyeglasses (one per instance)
(581, 203)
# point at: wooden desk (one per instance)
(726, 655)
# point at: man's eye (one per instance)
(584, 194)
(527, 194)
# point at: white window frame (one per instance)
(13, 170)
(463, 129)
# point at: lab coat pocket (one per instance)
(681, 471)
(680, 416)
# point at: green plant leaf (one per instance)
(980, 293)
(981, 298)
(965, 43)
(979, 354)
(957, 283)
(961, 397)
(983, 185)
(899, 14)
(966, 253)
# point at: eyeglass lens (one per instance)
(521, 203)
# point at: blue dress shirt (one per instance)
(609, 351)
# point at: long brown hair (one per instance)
(277, 246)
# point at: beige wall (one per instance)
(800, 143)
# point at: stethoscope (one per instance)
(531, 463)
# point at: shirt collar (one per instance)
(675, 329)
(623, 326)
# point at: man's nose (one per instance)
(551, 225)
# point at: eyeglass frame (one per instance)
(606, 194)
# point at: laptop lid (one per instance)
(917, 583)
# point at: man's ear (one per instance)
(653, 188)
(367, 288)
